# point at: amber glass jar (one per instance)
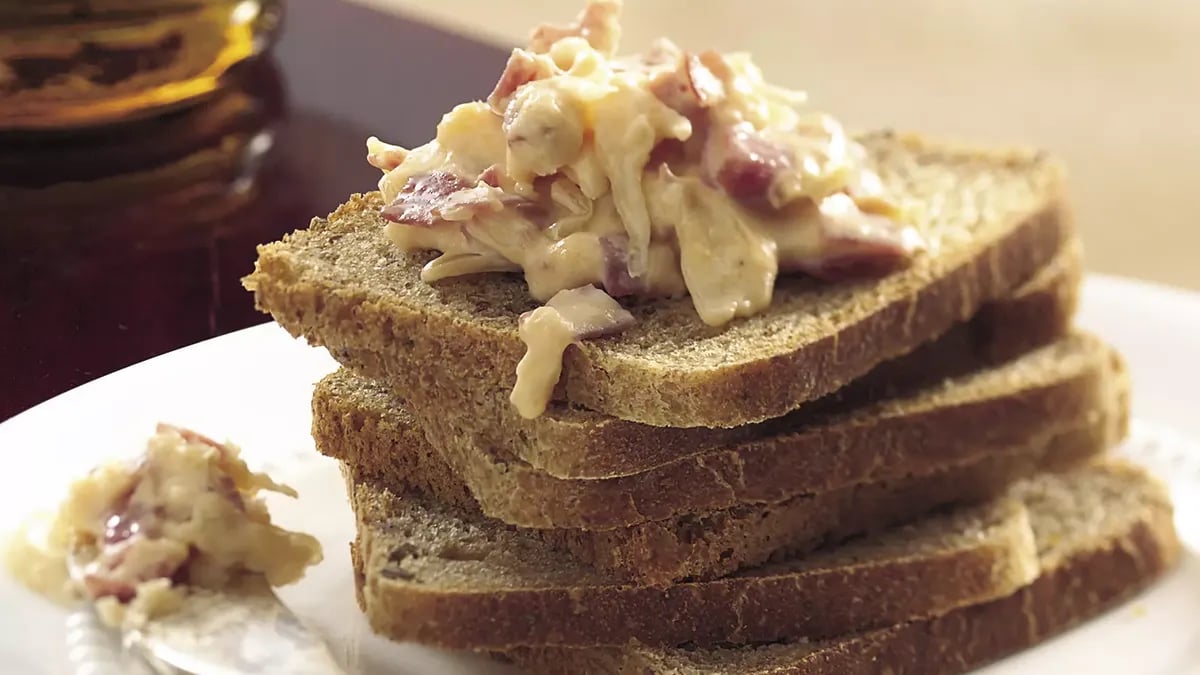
(72, 63)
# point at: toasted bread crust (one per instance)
(902, 575)
(574, 443)
(341, 285)
(1078, 587)
(706, 546)
(961, 421)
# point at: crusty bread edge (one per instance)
(660, 552)
(967, 638)
(910, 587)
(918, 443)
(605, 447)
(740, 393)
(766, 388)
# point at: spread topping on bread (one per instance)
(568, 317)
(186, 514)
(663, 174)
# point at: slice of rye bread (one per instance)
(569, 442)
(1104, 533)
(428, 573)
(437, 575)
(952, 423)
(993, 217)
(710, 545)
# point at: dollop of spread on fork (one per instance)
(186, 514)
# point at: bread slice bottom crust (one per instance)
(996, 216)
(441, 574)
(1124, 539)
(709, 545)
(571, 442)
(952, 422)
(433, 575)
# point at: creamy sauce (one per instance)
(546, 336)
(728, 264)
(186, 515)
(568, 317)
(31, 560)
(660, 175)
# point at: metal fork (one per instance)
(215, 633)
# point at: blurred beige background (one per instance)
(1112, 86)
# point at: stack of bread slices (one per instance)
(905, 475)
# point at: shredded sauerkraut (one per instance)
(657, 175)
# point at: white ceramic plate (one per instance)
(253, 387)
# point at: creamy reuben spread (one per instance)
(663, 174)
(140, 534)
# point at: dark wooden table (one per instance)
(97, 274)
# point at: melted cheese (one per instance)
(568, 317)
(546, 336)
(629, 123)
(593, 123)
(728, 264)
(573, 132)
(188, 502)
